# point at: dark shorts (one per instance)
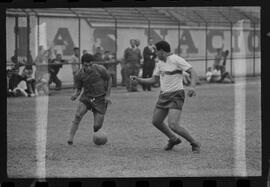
(96, 104)
(173, 100)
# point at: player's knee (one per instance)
(77, 119)
(155, 123)
(173, 125)
(97, 127)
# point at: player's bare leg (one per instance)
(81, 111)
(98, 121)
(174, 117)
(158, 121)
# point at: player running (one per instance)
(96, 84)
(170, 70)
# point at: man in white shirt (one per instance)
(213, 76)
(169, 70)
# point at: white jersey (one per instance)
(171, 73)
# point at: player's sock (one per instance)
(196, 147)
(73, 130)
(70, 142)
(171, 143)
(183, 133)
(165, 130)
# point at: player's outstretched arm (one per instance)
(152, 80)
(193, 74)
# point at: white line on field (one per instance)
(41, 134)
(240, 114)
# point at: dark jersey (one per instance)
(94, 82)
(55, 66)
(132, 56)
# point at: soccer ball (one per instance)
(100, 138)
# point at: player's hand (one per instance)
(191, 92)
(108, 100)
(133, 78)
(73, 97)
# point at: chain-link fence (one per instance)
(194, 33)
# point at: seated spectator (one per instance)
(218, 75)
(209, 74)
(17, 84)
(225, 74)
(54, 68)
(9, 73)
(213, 76)
(30, 80)
(218, 58)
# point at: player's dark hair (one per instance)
(163, 45)
(75, 48)
(87, 58)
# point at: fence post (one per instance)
(206, 48)
(231, 48)
(28, 40)
(149, 33)
(179, 38)
(16, 38)
(254, 50)
(38, 34)
(79, 35)
(115, 51)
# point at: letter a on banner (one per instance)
(63, 40)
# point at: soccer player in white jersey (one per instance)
(169, 70)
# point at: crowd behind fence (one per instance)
(197, 43)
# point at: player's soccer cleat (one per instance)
(70, 142)
(171, 143)
(196, 148)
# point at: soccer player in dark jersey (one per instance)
(96, 83)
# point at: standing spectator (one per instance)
(84, 51)
(54, 68)
(218, 58)
(98, 54)
(42, 72)
(110, 63)
(123, 72)
(132, 57)
(149, 55)
(75, 60)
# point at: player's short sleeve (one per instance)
(104, 73)
(156, 71)
(181, 63)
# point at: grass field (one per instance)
(135, 147)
